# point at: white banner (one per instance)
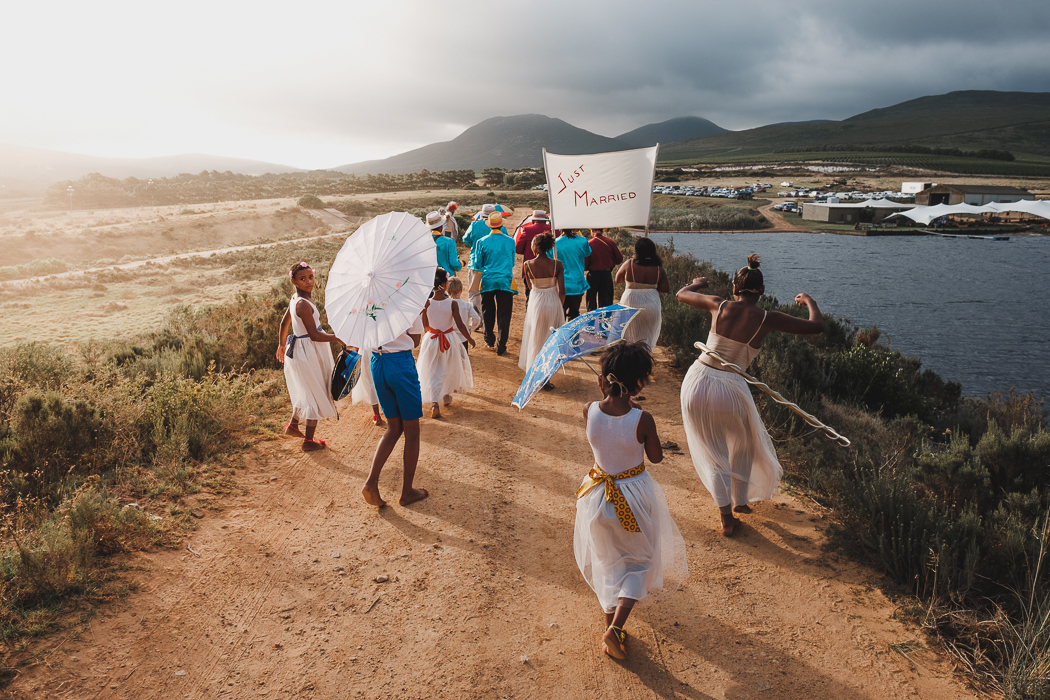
(600, 190)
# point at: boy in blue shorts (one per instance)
(397, 385)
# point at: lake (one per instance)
(974, 311)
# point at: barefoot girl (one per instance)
(307, 360)
(443, 365)
(627, 546)
(731, 450)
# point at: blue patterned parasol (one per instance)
(585, 334)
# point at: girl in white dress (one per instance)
(307, 360)
(730, 447)
(443, 366)
(645, 280)
(471, 317)
(545, 279)
(628, 548)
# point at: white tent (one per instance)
(924, 215)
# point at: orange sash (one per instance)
(443, 342)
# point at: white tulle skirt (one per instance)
(309, 376)
(646, 566)
(646, 323)
(730, 447)
(544, 311)
(443, 373)
(365, 389)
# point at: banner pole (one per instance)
(652, 182)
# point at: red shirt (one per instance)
(523, 243)
(605, 254)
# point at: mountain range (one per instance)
(1015, 121)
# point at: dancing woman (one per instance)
(730, 447)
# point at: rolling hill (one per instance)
(500, 142)
(969, 120)
(678, 129)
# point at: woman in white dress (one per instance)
(645, 280)
(443, 366)
(545, 279)
(730, 447)
(304, 350)
(365, 390)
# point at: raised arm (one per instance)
(690, 294)
(798, 326)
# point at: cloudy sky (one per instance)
(322, 83)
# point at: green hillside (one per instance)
(971, 121)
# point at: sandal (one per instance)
(292, 430)
(313, 445)
(377, 419)
(617, 652)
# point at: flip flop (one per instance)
(377, 419)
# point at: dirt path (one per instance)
(278, 597)
(780, 224)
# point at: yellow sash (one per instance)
(612, 493)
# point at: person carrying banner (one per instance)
(494, 259)
(447, 256)
(572, 249)
(605, 255)
(535, 225)
(479, 228)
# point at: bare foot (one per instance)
(435, 411)
(447, 400)
(612, 645)
(729, 523)
(413, 496)
(745, 509)
(292, 430)
(371, 494)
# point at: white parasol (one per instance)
(380, 280)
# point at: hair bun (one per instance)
(753, 261)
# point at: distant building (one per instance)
(850, 213)
(915, 187)
(977, 195)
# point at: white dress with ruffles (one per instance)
(308, 373)
(442, 373)
(646, 566)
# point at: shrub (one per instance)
(311, 201)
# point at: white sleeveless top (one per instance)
(740, 354)
(614, 439)
(439, 313)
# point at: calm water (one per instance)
(974, 311)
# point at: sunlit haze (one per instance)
(321, 84)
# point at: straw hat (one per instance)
(435, 220)
(495, 220)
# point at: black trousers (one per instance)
(601, 292)
(496, 307)
(572, 306)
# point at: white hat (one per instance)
(539, 214)
(435, 220)
(488, 208)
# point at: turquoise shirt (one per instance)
(495, 261)
(478, 230)
(448, 257)
(571, 251)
